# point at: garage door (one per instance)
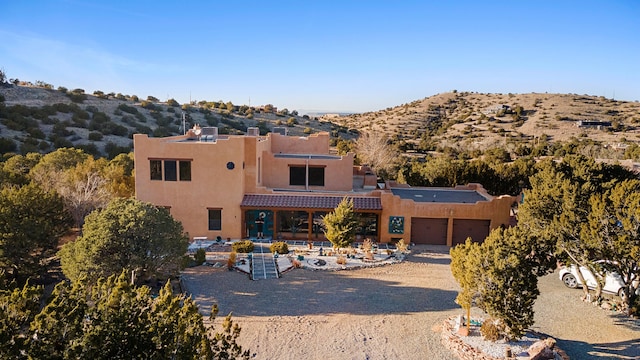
(477, 230)
(429, 231)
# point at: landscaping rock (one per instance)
(541, 350)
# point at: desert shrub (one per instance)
(341, 260)
(7, 145)
(114, 150)
(200, 256)
(91, 149)
(401, 245)
(231, 262)
(141, 129)
(367, 244)
(245, 246)
(279, 247)
(60, 129)
(491, 330)
(77, 97)
(307, 130)
(60, 142)
(36, 133)
(141, 117)
(95, 136)
(128, 109)
(148, 105)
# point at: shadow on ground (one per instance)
(430, 254)
(629, 349)
(305, 292)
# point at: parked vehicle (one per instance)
(612, 281)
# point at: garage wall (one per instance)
(430, 231)
(477, 230)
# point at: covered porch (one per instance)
(299, 217)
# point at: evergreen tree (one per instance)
(127, 234)
(31, 223)
(341, 224)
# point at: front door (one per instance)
(259, 224)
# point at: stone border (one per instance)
(464, 351)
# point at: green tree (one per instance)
(465, 267)
(127, 234)
(501, 275)
(613, 231)
(115, 320)
(18, 307)
(31, 223)
(341, 224)
(49, 168)
(17, 168)
(558, 204)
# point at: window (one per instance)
(170, 170)
(316, 176)
(185, 170)
(156, 169)
(170, 173)
(215, 219)
(297, 175)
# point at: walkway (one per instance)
(263, 264)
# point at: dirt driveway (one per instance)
(387, 312)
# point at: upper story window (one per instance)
(185, 170)
(298, 175)
(170, 170)
(156, 169)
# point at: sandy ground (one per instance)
(387, 312)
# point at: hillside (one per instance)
(40, 119)
(474, 121)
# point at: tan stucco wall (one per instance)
(212, 185)
(313, 144)
(338, 173)
(496, 209)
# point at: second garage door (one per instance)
(429, 231)
(477, 230)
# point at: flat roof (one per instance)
(457, 196)
(307, 156)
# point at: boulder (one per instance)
(541, 350)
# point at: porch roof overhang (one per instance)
(268, 201)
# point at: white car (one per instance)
(612, 284)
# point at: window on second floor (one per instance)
(170, 173)
(170, 170)
(156, 169)
(298, 175)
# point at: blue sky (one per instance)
(352, 56)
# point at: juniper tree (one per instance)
(341, 224)
(127, 234)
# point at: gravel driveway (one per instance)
(387, 312)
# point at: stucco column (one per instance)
(450, 232)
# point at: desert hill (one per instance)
(43, 119)
(480, 121)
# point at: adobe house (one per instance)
(279, 187)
